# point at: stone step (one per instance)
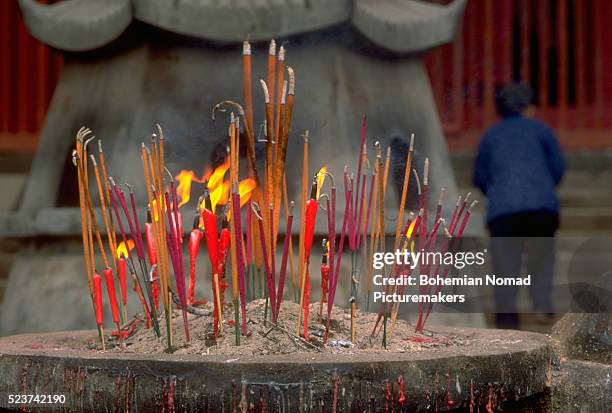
(569, 197)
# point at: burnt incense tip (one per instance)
(410, 216)
(441, 196)
(246, 48)
(272, 50)
(75, 157)
(458, 201)
(160, 131)
(472, 205)
(467, 197)
(111, 181)
(447, 234)
(129, 187)
(93, 161)
(265, 91)
(421, 212)
(411, 148)
(291, 207)
(388, 151)
(284, 93)
(100, 145)
(87, 142)
(281, 53)
(418, 181)
(426, 172)
(291, 76)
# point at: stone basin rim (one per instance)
(22, 345)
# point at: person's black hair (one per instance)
(512, 99)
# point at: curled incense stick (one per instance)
(250, 141)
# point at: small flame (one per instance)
(183, 190)
(218, 188)
(320, 179)
(219, 195)
(245, 189)
(215, 179)
(154, 208)
(122, 250)
(409, 234)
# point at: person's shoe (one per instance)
(509, 321)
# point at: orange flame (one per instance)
(183, 190)
(321, 179)
(216, 178)
(219, 189)
(122, 250)
(219, 195)
(154, 208)
(245, 189)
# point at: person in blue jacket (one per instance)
(518, 167)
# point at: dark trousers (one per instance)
(527, 236)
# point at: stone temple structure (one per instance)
(132, 63)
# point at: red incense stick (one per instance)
(177, 262)
(112, 297)
(240, 259)
(283, 268)
(97, 296)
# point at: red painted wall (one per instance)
(556, 46)
(28, 75)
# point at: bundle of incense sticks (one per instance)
(242, 249)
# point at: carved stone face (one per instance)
(401, 27)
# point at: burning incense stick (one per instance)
(310, 216)
(400, 217)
